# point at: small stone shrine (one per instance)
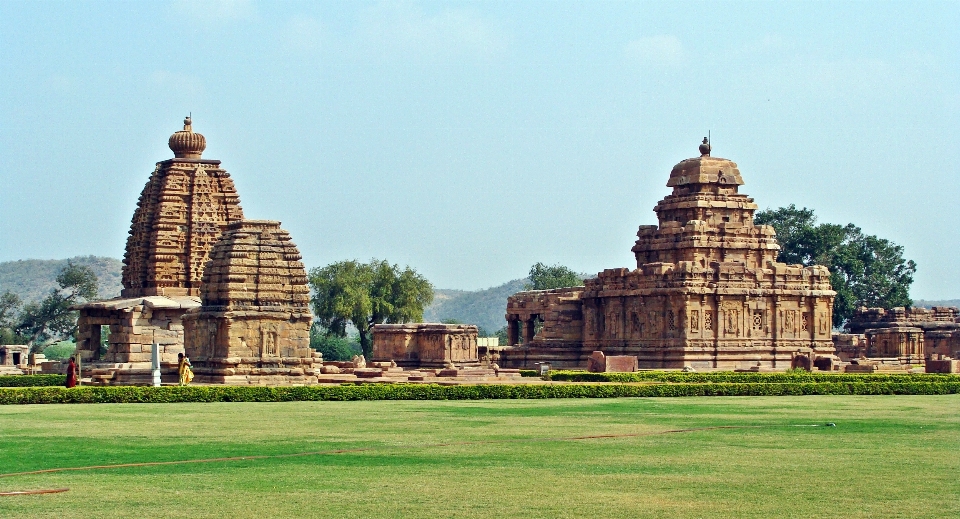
(185, 206)
(426, 345)
(254, 323)
(707, 292)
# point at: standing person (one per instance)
(186, 373)
(71, 373)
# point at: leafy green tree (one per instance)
(10, 304)
(543, 277)
(51, 318)
(365, 294)
(331, 346)
(864, 270)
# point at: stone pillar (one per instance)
(513, 332)
(528, 330)
(155, 363)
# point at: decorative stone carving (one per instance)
(254, 323)
(423, 345)
(183, 209)
(707, 292)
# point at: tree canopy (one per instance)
(864, 270)
(543, 277)
(365, 294)
(39, 322)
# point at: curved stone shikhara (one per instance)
(707, 291)
(253, 326)
(183, 209)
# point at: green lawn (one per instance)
(888, 456)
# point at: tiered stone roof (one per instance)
(183, 209)
(255, 265)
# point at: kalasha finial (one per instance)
(186, 143)
(705, 148)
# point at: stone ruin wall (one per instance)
(426, 344)
(132, 333)
(912, 334)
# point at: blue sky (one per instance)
(470, 140)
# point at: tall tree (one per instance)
(51, 318)
(365, 294)
(10, 304)
(543, 277)
(864, 270)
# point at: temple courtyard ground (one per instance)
(887, 456)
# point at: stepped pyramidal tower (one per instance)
(185, 206)
(254, 323)
(707, 292)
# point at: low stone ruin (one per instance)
(426, 345)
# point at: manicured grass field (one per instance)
(888, 456)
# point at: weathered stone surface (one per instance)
(620, 364)
(707, 292)
(597, 362)
(183, 209)
(425, 344)
(939, 332)
(255, 315)
(185, 206)
(942, 366)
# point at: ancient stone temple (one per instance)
(910, 334)
(426, 345)
(185, 206)
(254, 323)
(707, 292)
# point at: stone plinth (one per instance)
(707, 292)
(425, 344)
(254, 323)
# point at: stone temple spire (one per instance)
(187, 144)
(183, 209)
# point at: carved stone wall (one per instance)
(426, 344)
(254, 323)
(941, 331)
(707, 291)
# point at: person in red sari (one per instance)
(71, 373)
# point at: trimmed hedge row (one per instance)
(171, 394)
(747, 377)
(32, 380)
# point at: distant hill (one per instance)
(484, 308)
(924, 303)
(33, 279)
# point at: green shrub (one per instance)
(60, 351)
(32, 380)
(170, 394)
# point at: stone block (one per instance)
(621, 363)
